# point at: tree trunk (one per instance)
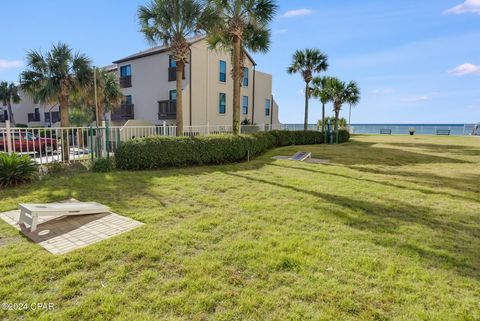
(307, 95)
(337, 113)
(179, 87)
(10, 113)
(237, 47)
(323, 117)
(99, 115)
(64, 123)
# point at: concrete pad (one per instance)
(60, 235)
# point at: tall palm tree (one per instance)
(241, 25)
(353, 100)
(171, 23)
(8, 95)
(319, 90)
(307, 63)
(341, 93)
(51, 78)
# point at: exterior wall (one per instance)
(202, 85)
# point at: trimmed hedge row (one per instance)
(157, 152)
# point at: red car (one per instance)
(25, 142)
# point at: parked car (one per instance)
(27, 142)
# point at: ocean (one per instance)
(420, 129)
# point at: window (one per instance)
(125, 71)
(245, 77)
(127, 100)
(223, 71)
(172, 95)
(245, 105)
(171, 62)
(267, 107)
(222, 103)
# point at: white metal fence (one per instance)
(73, 144)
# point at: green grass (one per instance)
(388, 230)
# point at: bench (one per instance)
(29, 213)
(443, 132)
(385, 131)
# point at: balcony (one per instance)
(33, 117)
(124, 112)
(126, 81)
(167, 109)
(55, 117)
(172, 74)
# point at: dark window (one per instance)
(222, 103)
(223, 71)
(172, 95)
(267, 107)
(125, 71)
(245, 105)
(245, 77)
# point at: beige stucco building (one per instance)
(148, 82)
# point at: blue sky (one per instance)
(415, 61)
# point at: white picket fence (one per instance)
(73, 144)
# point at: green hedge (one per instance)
(157, 152)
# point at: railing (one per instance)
(33, 117)
(126, 81)
(457, 129)
(172, 74)
(167, 109)
(73, 144)
(55, 117)
(124, 112)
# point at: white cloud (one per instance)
(383, 91)
(469, 6)
(10, 64)
(297, 12)
(279, 31)
(415, 99)
(465, 69)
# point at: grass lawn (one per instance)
(388, 230)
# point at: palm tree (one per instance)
(51, 78)
(8, 95)
(353, 100)
(171, 23)
(341, 93)
(319, 91)
(241, 25)
(307, 63)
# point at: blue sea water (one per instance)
(420, 129)
(398, 129)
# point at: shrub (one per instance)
(16, 169)
(103, 165)
(156, 152)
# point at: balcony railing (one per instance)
(124, 112)
(126, 81)
(55, 117)
(167, 109)
(33, 117)
(172, 74)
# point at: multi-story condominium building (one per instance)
(31, 113)
(148, 80)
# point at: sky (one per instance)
(415, 61)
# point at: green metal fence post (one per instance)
(107, 139)
(91, 142)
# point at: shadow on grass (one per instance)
(395, 183)
(380, 218)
